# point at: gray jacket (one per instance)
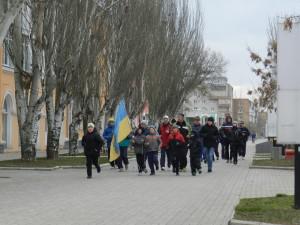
(152, 143)
(138, 143)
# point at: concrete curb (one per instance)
(54, 168)
(48, 168)
(241, 222)
(272, 167)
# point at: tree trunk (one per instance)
(73, 139)
(8, 15)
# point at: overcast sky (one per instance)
(233, 25)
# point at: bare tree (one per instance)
(265, 68)
(8, 11)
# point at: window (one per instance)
(6, 121)
(6, 61)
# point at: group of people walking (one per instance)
(173, 139)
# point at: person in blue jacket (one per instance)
(108, 135)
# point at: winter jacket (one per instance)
(184, 130)
(210, 136)
(164, 132)
(108, 134)
(92, 143)
(126, 142)
(176, 142)
(237, 137)
(245, 133)
(138, 143)
(226, 134)
(152, 143)
(196, 140)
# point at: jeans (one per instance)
(152, 160)
(209, 152)
(163, 153)
(123, 157)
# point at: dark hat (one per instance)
(211, 119)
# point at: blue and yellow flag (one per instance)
(121, 131)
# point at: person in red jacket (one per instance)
(164, 131)
(176, 144)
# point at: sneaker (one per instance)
(145, 170)
(193, 173)
(99, 169)
(126, 167)
(205, 161)
(169, 166)
(177, 174)
(199, 171)
(209, 171)
(163, 169)
(121, 170)
(152, 174)
(243, 158)
(89, 177)
(217, 158)
(235, 163)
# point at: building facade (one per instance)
(245, 110)
(9, 130)
(216, 103)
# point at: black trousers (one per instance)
(195, 159)
(140, 159)
(91, 160)
(242, 151)
(123, 157)
(234, 148)
(183, 157)
(227, 151)
(175, 161)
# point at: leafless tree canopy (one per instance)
(89, 54)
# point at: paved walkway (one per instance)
(66, 197)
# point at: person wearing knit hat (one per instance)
(92, 143)
(210, 135)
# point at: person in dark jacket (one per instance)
(210, 135)
(152, 143)
(184, 130)
(245, 136)
(108, 135)
(196, 145)
(176, 143)
(123, 158)
(92, 143)
(226, 136)
(237, 140)
(138, 143)
(164, 131)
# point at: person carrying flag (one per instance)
(122, 131)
